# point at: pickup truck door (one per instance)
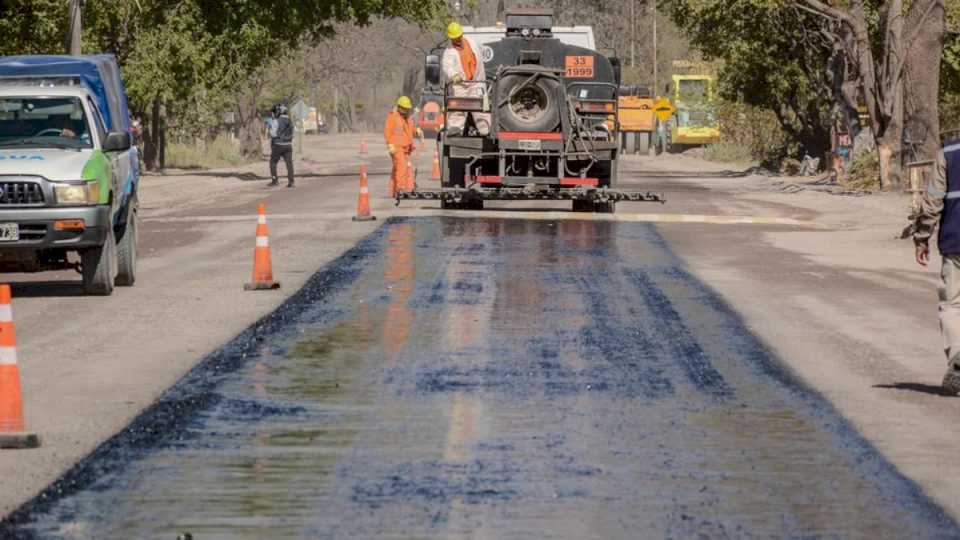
(121, 165)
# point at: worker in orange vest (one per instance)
(463, 70)
(399, 133)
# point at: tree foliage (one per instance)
(770, 57)
(195, 57)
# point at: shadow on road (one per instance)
(254, 177)
(916, 387)
(47, 289)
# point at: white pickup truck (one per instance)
(68, 171)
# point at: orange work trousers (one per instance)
(402, 176)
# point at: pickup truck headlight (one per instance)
(77, 194)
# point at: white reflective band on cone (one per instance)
(364, 190)
(6, 313)
(263, 241)
(262, 219)
(8, 356)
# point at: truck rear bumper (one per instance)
(38, 228)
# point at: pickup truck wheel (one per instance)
(99, 267)
(127, 250)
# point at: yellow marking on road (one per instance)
(627, 217)
(549, 215)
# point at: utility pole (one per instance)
(76, 27)
(633, 33)
(335, 119)
(656, 73)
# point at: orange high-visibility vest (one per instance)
(398, 131)
(468, 60)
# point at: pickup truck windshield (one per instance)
(33, 122)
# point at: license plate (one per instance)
(9, 232)
(530, 144)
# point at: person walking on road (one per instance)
(462, 65)
(398, 133)
(281, 145)
(941, 204)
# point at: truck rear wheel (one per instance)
(630, 146)
(605, 207)
(582, 206)
(450, 205)
(127, 249)
(99, 267)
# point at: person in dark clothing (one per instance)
(940, 207)
(281, 145)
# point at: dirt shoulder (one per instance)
(844, 306)
(89, 365)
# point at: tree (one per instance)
(880, 54)
(771, 58)
(193, 60)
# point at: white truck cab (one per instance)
(68, 176)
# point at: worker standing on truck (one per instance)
(941, 203)
(281, 145)
(399, 133)
(463, 69)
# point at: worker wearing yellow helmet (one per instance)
(398, 133)
(462, 66)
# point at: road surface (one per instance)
(470, 377)
(817, 280)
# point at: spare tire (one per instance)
(533, 107)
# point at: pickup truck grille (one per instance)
(21, 194)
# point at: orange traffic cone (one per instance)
(12, 434)
(363, 203)
(435, 173)
(363, 147)
(262, 267)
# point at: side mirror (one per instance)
(617, 69)
(432, 70)
(117, 141)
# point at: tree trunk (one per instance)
(926, 20)
(151, 137)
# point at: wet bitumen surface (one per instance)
(489, 378)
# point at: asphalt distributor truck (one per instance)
(553, 132)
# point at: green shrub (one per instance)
(864, 172)
(225, 151)
(728, 152)
(749, 134)
(184, 156)
(222, 152)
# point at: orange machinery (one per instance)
(637, 120)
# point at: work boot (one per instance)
(951, 380)
(289, 184)
(274, 181)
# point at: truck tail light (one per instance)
(598, 106)
(465, 104)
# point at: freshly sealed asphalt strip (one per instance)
(454, 377)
